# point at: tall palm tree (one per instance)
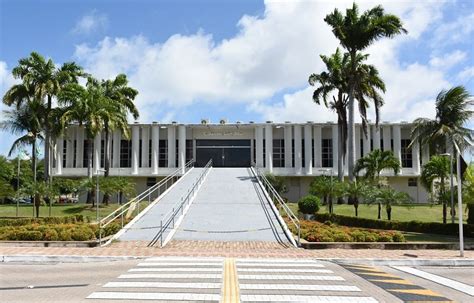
(47, 81)
(26, 121)
(88, 107)
(355, 33)
(336, 80)
(374, 163)
(325, 188)
(354, 191)
(121, 96)
(433, 178)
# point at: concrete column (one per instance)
(59, 155)
(308, 149)
(288, 149)
(269, 147)
(135, 148)
(415, 151)
(259, 146)
(298, 149)
(376, 140)
(366, 140)
(145, 146)
(387, 136)
(117, 138)
(97, 149)
(358, 130)
(317, 146)
(155, 147)
(335, 147)
(397, 143)
(80, 147)
(70, 147)
(171, 146)
(182, 147)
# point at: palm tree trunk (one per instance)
(340, 162)
(356, 206)
(106, 197)
(33, 168)
(389, 212)
(351, 136)
(379, 216)
(90, 194)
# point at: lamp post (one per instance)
(97, 193)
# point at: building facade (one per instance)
(298, 151)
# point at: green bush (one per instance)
(28, 235)
(43, 221)
(50, 235)
(309, 204)
(64, 235)
(82, 233)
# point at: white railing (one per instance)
(278, 200)
(151, 194)
(168, 220)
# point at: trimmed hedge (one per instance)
(309, 204)
(314, 231)
(45, 220)
(412, 226)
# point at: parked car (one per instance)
(67, 199)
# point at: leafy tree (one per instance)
(388, 197)
(7, 169)
(66, 186)
(355, 33)
(354, 191)
(326, 188)
(6, 190)
(468, 192)
(41, 191)
(433, 178)
(278, 183)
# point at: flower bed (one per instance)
(314, 231)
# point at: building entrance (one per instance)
(224, 153)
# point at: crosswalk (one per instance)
(231, 280)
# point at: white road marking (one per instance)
(290, 277)
(462, 287)
(275, 261)
(172, 269)
(278, 265)
(313, 299)
(154, 296)
(313, 287)
(184, 259)
(171, 276)
(163, 285)
(179, 264)
(291, 270)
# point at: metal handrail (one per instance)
(169, 218)
(275, 196)
(122, 210)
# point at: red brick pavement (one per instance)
(231, 249)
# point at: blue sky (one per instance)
(240, 60)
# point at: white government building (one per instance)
(155, 150)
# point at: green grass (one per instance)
(424, 213)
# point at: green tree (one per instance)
(45, 81)
(121, 96)
(42, 191)
(354, 191)
(6, 190)
(355, 33)
(388, 197)
(326, 188)
(278, 183)
(433, 177)
(373, 164)
(468, 192)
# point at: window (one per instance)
(163, 154)
(371, 144)
(326, 152)
(102, 153)
(125, 153)
(279, 153)
(312, 152)
(412, 182)
(407, 157)
(381, 144)
(150, 181)
(140, 158)
(391, 144)
(189, 150)
(87, 148)
(74, 158)
(303, 153)
(292, 153)
(64, 152)
(264, 152)
(361, 147)
(176, 162)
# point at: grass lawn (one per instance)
(424, 213)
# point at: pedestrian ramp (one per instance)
(182, 279)
(146, 226)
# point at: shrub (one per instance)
(28, 235)
(309, 204)
(64, 235)
(82, 233)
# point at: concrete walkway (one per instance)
(231, 206)
(147, 226)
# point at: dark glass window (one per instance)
(391, 144)
(361, 148)
(381, 144)
(279, 153)
(189, 150)
(64, 152)
(150, 181)
(412, 182)
(125, 153)
(312, 152)
(140, 158)
(254, 152)
(74, 158)
(102, 153)
(264, 152)
(85, 158)
(326, 152)
(293, 152)
(371, 144)
(163, 154)
(149, 152)
(303, 153)
(407, 157)
(176, 157)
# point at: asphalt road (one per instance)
(166, 279)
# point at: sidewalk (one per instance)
(232, 249)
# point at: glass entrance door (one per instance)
(224, 153)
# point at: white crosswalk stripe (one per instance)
(312, 299)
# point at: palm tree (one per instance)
(89, 108)
(433, 178)
(121, 95)
(355, 33)
(374, 163)
(47, 81)
(336, 80)
(468, 192)
(354, 191)
(325, 188)
(389, 197)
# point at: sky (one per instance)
(238, 60)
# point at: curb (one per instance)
(384, 245)
(404, 262)
(63, 259)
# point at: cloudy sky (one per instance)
(239, 60)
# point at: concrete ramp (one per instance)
(231, 206)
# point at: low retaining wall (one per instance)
(92, 243)
(385, 245)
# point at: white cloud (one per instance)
(91, 22)
(449, 60)
(466, 74)
(454, 32)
